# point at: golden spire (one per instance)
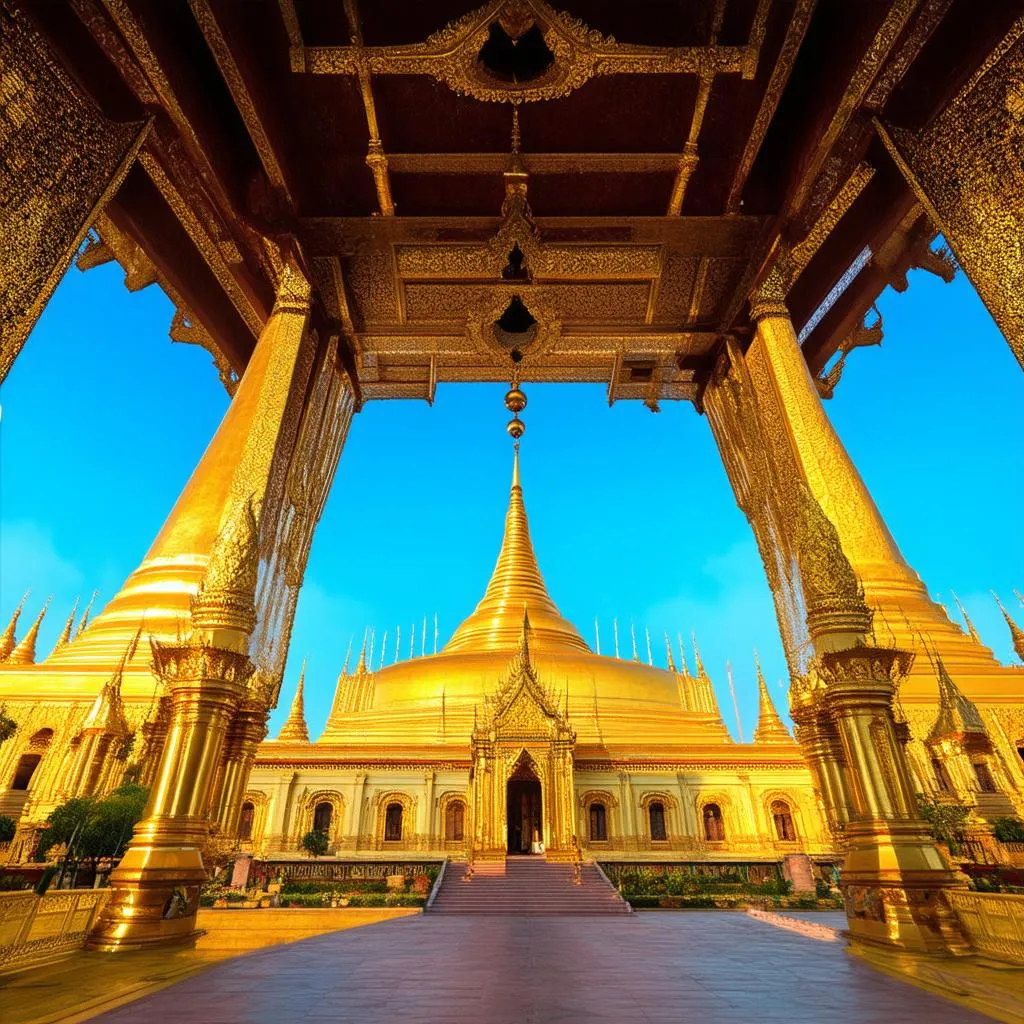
(699, 665)
(25, 652)
(7, 639)
(1016, 633)
(294, 729)
(668, 651)
(348, 656)
(65, 634)
(107, 711)
(770, 727)
(957, 716)
(85, 616)
(682, 656)
(361, 664)
(515, 584)
(967, 619)
(632, 634)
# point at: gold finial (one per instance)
(107, 712)
(668, 651)
(682, 656)
(515, 582)
(967, 619)
(7, 640)
(85, 616)
(348, 656)
(632, 633)
(515, 129)
(1016, 633)
(958, 716)
(650, 653)
(770, 727)
(361, 664)
(25, 652)
(698, 664)
(294, 729)
(65, 634)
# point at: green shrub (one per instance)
(12, 883)
(8, 827)
(1008, 830)
(316, 842)
(948, 822)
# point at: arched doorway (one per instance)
(525, 819)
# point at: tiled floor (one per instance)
(707, 967)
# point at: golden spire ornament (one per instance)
(25, 652)
(7, 640)
(294, 729)
(1016, 633)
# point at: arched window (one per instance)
(245, 820)
(941, 775)
(986, 783)
(322, 814)
(783, 819)
(454, 821)
(598, 823)
(27, 764)
(656, 813)
(714, 827)
(393, 824)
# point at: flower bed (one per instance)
(730, 901)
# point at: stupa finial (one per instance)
(967, 619)
(7, 640)
(1016, 633)
(770, 727)
(65, 634)
(85, 616)
(294, 729)
(25, 652)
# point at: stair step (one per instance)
(526, 886)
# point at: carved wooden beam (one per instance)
(798, 23)
(376, 158)
(221, 50)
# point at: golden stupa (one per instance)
(624, 758)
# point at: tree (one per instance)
(8, 726)
(7, 828)
(316, 842)
(92, 829)
(1008, 830)
(948, 822)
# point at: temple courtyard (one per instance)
(670, 966)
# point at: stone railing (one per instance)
(35, 929)
(994, 922)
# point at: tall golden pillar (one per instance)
(208, 673)
(893, 875)
(224, 572)
(775, 438)
(248, 728)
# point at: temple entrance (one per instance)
(525, 823)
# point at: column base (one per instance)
(893, 882)
(154, 902)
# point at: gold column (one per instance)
(247, 729)
(775, 437)
(893, 875)
(248, 457)
(156, 886)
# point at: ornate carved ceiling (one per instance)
(667, 147)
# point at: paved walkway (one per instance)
(710, 967)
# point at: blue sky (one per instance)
(631, 513)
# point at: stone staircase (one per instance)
(524, 886)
